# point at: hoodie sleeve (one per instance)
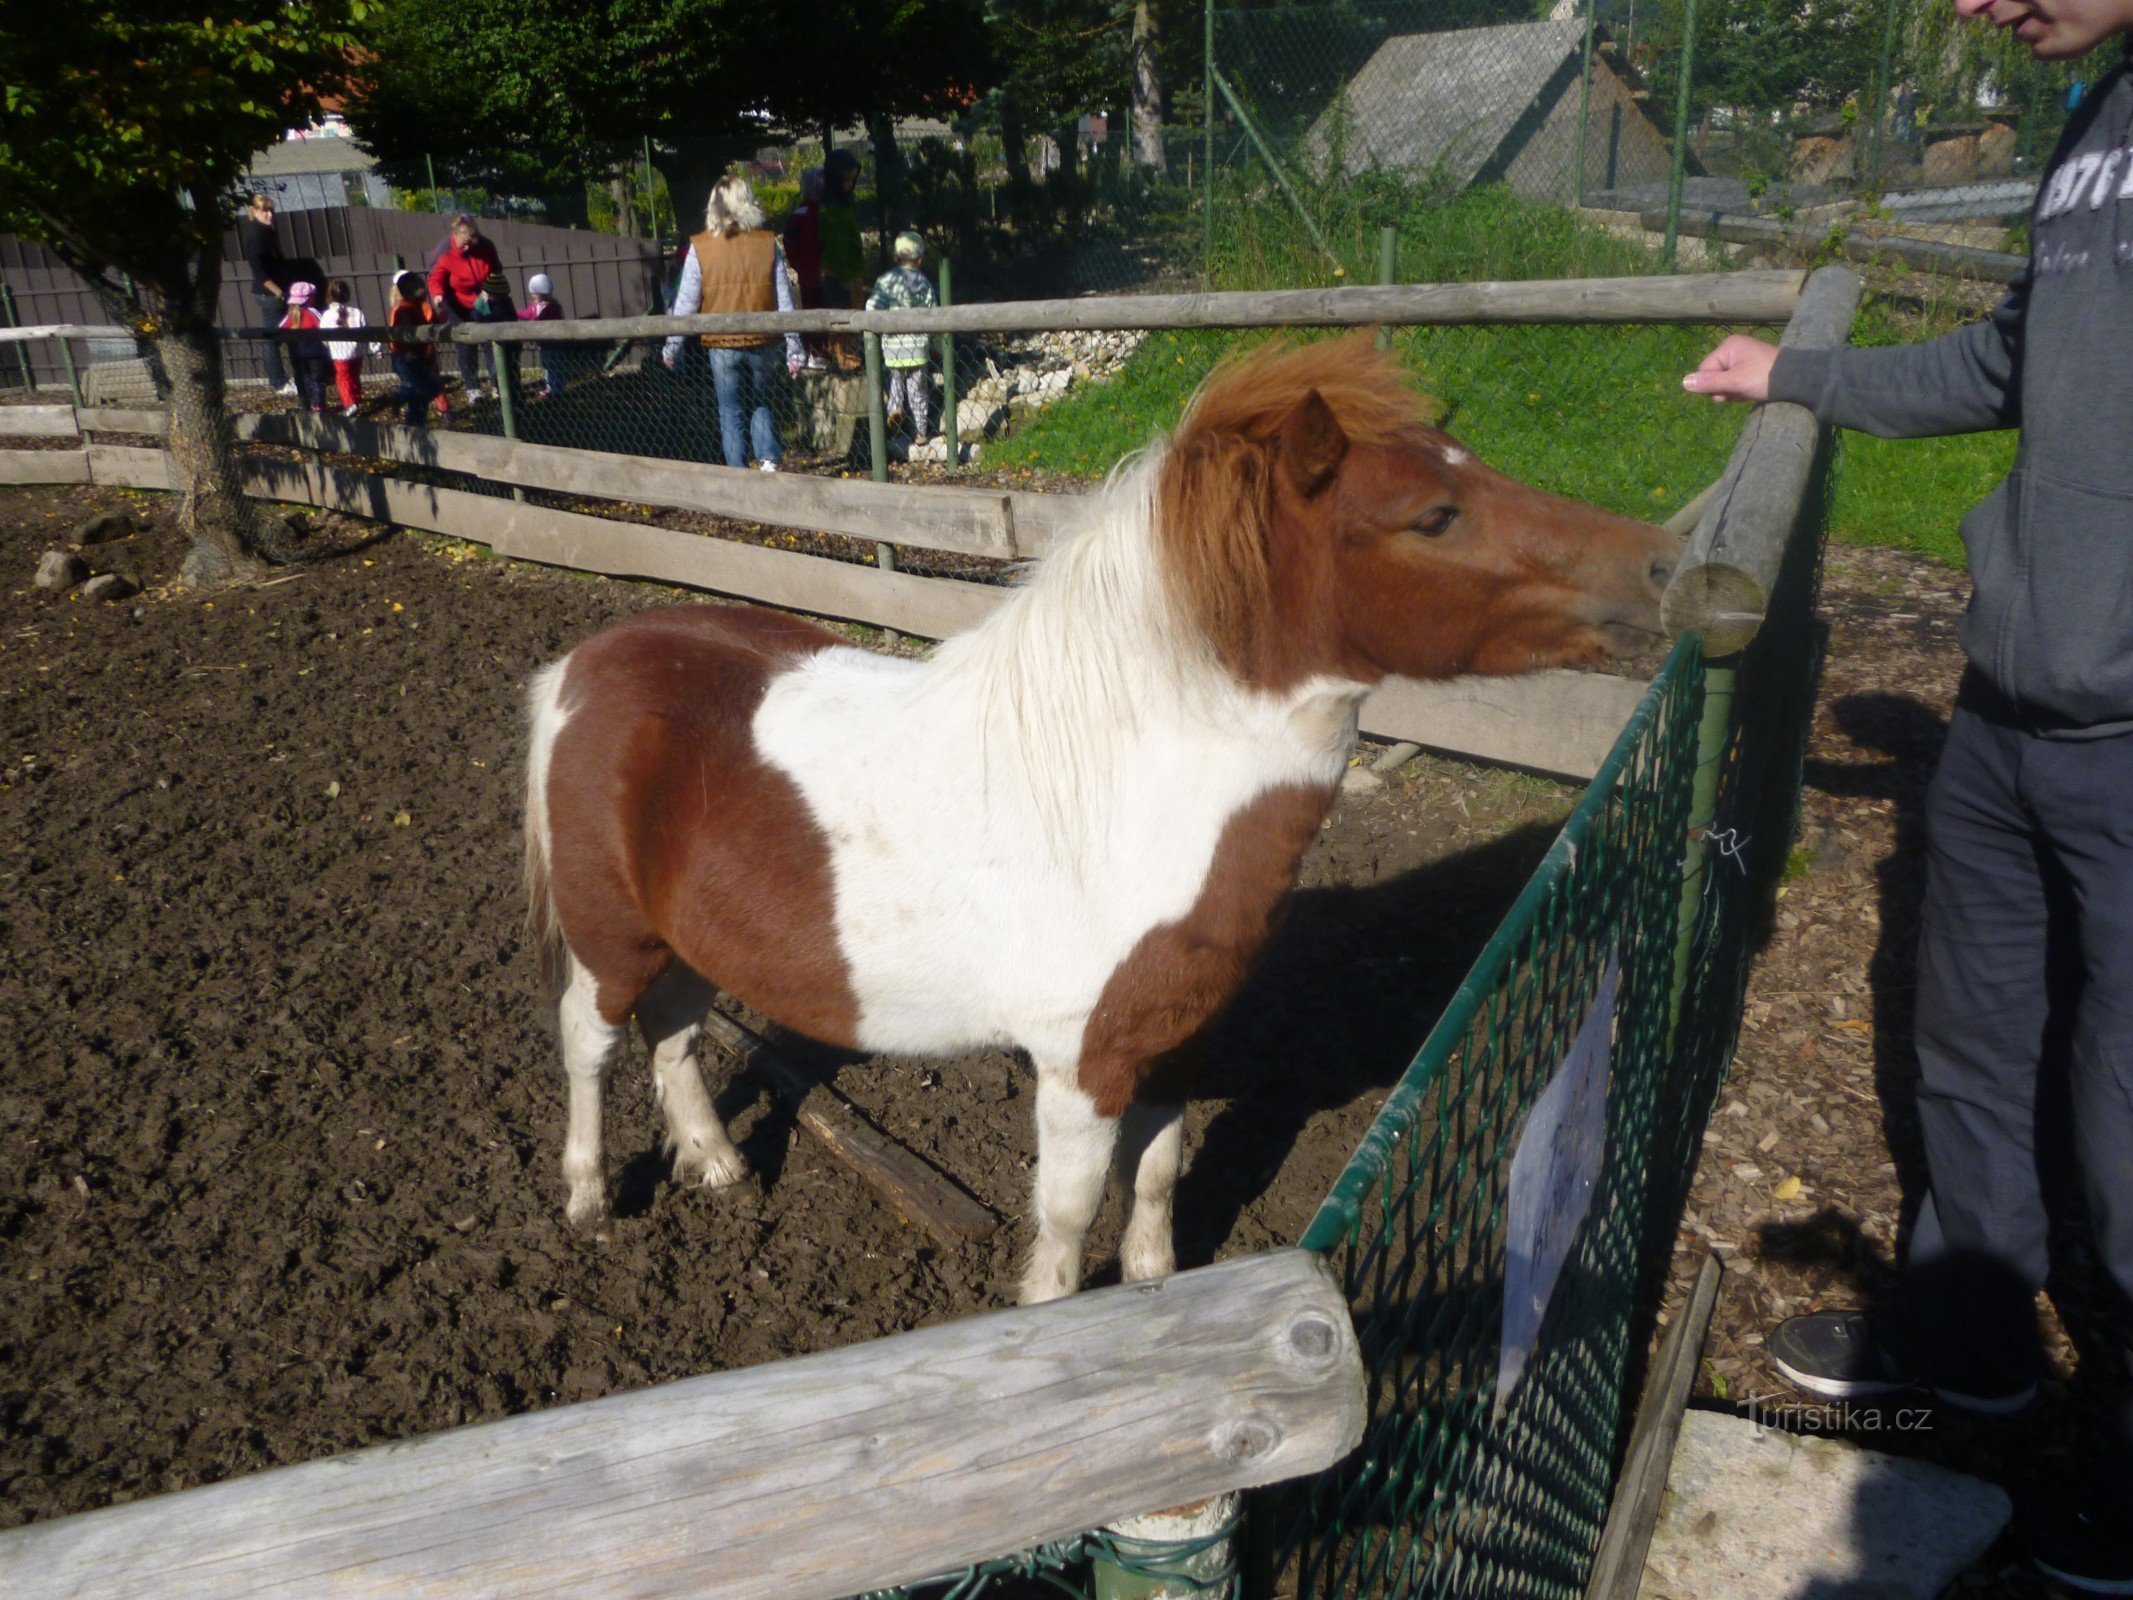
(688, 296)
(1969, 381)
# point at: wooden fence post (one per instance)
(1388, 269)
(502, 362)
(22, 350)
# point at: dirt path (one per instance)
(280, 1120)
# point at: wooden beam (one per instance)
(1560, 723)
(44, 466)
(976, 522)
(1715, 297)
(930, 607)
(121, 466)
(1722, 587)
(1618, 1567)
(911, 1186)
(1854, 244)
(64, 330)
(886, 1462)
(37, 422)
(123, 419)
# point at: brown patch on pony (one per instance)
(1142, 1033)
(1279, 411)
(669, 834)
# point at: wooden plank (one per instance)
(1557, 722)
(1722, 586)
(124, 419)
(933, 608)
(1618, 1567)
(37, 422)
(44, 466)
(969, 521)
(1714, 297)
(1854, 244)
(911, 1186)
(64, 330)
(120, 466)
(809, 1479)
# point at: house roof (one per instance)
(1449, 100)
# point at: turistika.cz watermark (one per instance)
(1790, 1415)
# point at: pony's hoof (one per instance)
(587, 1212)
(712, 1169)
(1143, 1265)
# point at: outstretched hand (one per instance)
(1739, 369)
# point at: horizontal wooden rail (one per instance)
(998, 523)
(1561, 723)
(1716, 297)
(63, 330)
(1722, 587)
(1853, 243)
(879, 1464)
(37, 422)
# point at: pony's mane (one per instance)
(1214, 489)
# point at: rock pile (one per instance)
(1030, 372)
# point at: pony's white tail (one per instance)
(545, 717)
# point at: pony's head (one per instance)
(1310, 521)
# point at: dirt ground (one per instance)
(1812, 1166)
(280, 1120)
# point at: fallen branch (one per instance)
(917, 1191)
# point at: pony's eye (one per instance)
(1434, 521)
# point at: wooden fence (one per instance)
(1556, 722)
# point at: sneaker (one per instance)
(287, 388)
(1840, 1354)
(2088, 1547)
(348, 411)
(766, 466)
(1837, 1354)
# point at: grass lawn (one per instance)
(1595, 412)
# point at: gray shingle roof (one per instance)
(1448, 100)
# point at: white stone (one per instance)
(1755, 1513)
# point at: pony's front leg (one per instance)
(589, 1041)
(1074, 1145)
(1151, 1149)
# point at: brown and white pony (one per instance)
(1070, 830)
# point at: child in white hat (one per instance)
(542, 306)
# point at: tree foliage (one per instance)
(126, 126)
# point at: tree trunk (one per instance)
(177, 323)
(618, 188)
(1147, 115)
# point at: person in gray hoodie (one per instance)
(2027, 932)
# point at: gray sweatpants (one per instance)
(2025, 974)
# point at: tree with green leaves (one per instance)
(126, 128)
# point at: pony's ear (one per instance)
(1311, 445)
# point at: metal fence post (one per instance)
(950, 444)
(877, 409)
(506, 403)
(1577, 190)
(1388, 270)
(22, 350)
(1681, 135)
(1884, 77)
(1207, 155)
(66, 357)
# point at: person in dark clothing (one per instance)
(270, 282)
(2027, 930)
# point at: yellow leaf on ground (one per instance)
(1788, 1190)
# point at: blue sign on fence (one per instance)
(1553, 1174)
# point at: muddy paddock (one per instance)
(280, 1118)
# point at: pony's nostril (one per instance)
(1663, 566)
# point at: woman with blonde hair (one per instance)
(737, 264)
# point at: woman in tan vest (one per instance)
(736, 264)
